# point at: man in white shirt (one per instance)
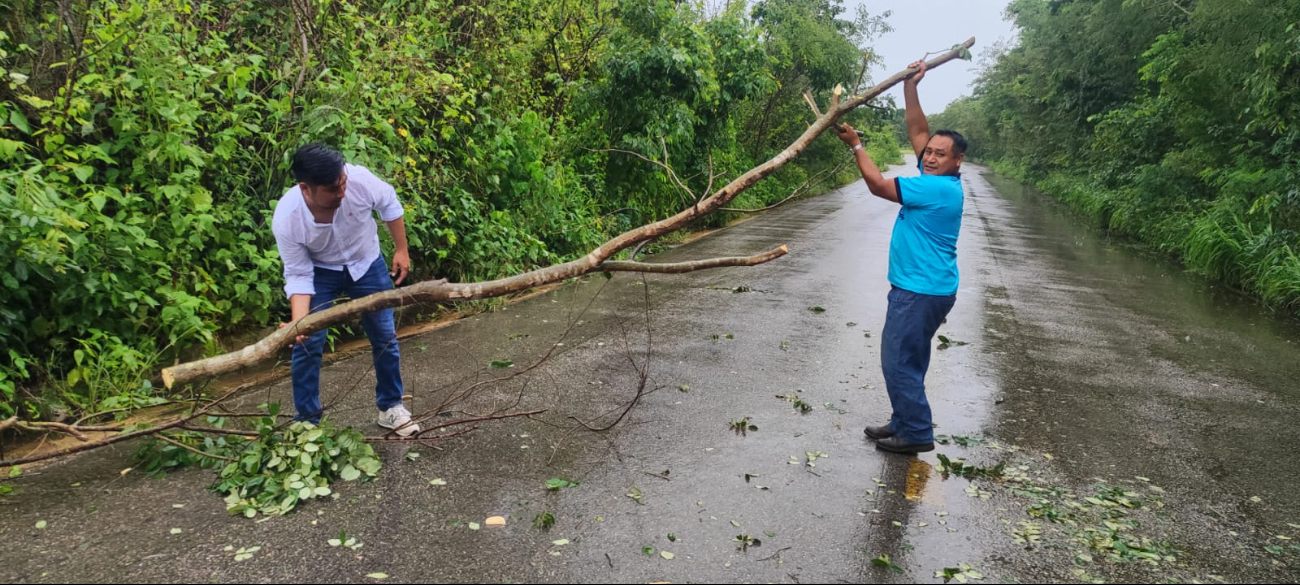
(329, 242)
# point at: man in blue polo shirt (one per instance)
(922, 267)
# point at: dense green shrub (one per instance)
(1174, 122)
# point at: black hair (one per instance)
(317, 164)
(958, 141)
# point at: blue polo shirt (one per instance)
(923, 248)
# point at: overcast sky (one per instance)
(930, 25)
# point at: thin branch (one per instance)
(927, 54)
(418, 439)
(620, 210)
(60, 427)
(306, 51)
(643, 373)
(167, 439)
(682, 267)
(65, 12)
(99, 429)
(862, 73)
(671, 173)
(99, 414)
(473, 420)
(519, 399)
(812, 103)
(709, 188)
(800, 190)
(637, 249)
(248, 415)
(543, 359)
(216, 431)
(777, 555)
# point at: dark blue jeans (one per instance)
(910, 325)
(379, 328)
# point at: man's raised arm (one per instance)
(918, 129)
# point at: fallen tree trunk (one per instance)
(595, 261)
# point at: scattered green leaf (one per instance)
(945, 342)
(884, 562)
(244, 554)
(746, 541)
(742, 427)
(557, 483)
(960, 468)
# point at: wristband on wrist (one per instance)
(856, 148)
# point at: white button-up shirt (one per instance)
(350, 243)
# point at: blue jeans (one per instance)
(910, 324)
(379, 328)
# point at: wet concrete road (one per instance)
(1085, 364)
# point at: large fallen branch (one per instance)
(440, 291)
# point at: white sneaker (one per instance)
(397, 418)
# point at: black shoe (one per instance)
(878, 433)
(896, 445)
